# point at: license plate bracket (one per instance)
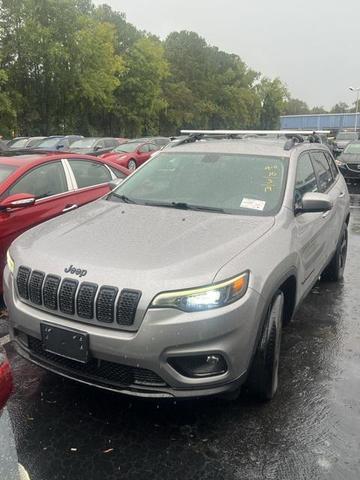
(67, 343)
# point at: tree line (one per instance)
(68, 66)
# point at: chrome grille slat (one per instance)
(67, 296)
(105, 304)
(85, 300)
(35, 287)
(22, 282)
(50, 291)
(127, 306)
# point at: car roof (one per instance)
(247, 146)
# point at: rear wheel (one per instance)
(334, 272)
(263, 378)
(132, 165)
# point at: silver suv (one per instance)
(179, 281)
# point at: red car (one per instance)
(47, 185)
(131, 154)
(6, 380)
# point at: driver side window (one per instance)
(305, 179)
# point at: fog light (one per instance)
(199, 365)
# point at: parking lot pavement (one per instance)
(311, 430)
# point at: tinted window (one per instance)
(117, 173)
(233, 183)
(110, 142)
(305, 179)
(322, 170)
(333, 167)
(144, 149)
(89, 173)
(5, 171)
(153, 147)
(44, 181)
(51, 142)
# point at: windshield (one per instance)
(84, 143)
(49, 142)
(353, 148)
(127, 147)
(6, 171)
(19, 143)
(230, 183)
(346, 136)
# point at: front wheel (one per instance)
(263, 377)
(334, 272)
(132, 165)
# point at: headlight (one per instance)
(10, 262)
(339, 163)
(204, 298)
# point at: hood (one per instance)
(350, 158)
(131, 245)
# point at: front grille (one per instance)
(22, 281)
(87, 300)
(67, 296)
(126, 307)
(99, 371)
(105, 304)
(35, 287)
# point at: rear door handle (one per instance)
(68, 208)
(326, 214)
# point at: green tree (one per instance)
(139, 99)
(294, 106)
(274, 95)
(7, 111)
(340, 107)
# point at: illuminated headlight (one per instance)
(204, 298)
(10, 262)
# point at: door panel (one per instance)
(310, 237)
(47, 181)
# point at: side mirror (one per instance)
(18, 200)
(115, 183)
(59, 147)
(314, 202)
(98, 147)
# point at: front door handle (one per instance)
(342, 195)
(68, 208)
(326, 214)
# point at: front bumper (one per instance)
(164, 333)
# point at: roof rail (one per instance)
(253, 132)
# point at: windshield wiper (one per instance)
(123, 198)
(185, 206)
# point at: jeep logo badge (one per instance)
(75, 271)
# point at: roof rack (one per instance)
(254, 132)
(293, 136)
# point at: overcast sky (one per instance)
(312, 45)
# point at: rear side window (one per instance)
(5, 172)
(44, 181)
(144, 148)
(88, 173)
(322, 170)
(333, 167)
(305, 178)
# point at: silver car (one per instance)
(177, 283)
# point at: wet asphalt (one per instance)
(311, 429)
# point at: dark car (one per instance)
(91, 145)
(24, 143)
(349, 161)
(342, 139)
(58, 143)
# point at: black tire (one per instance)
(262, 381)
(131, 165)
(334, 272)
